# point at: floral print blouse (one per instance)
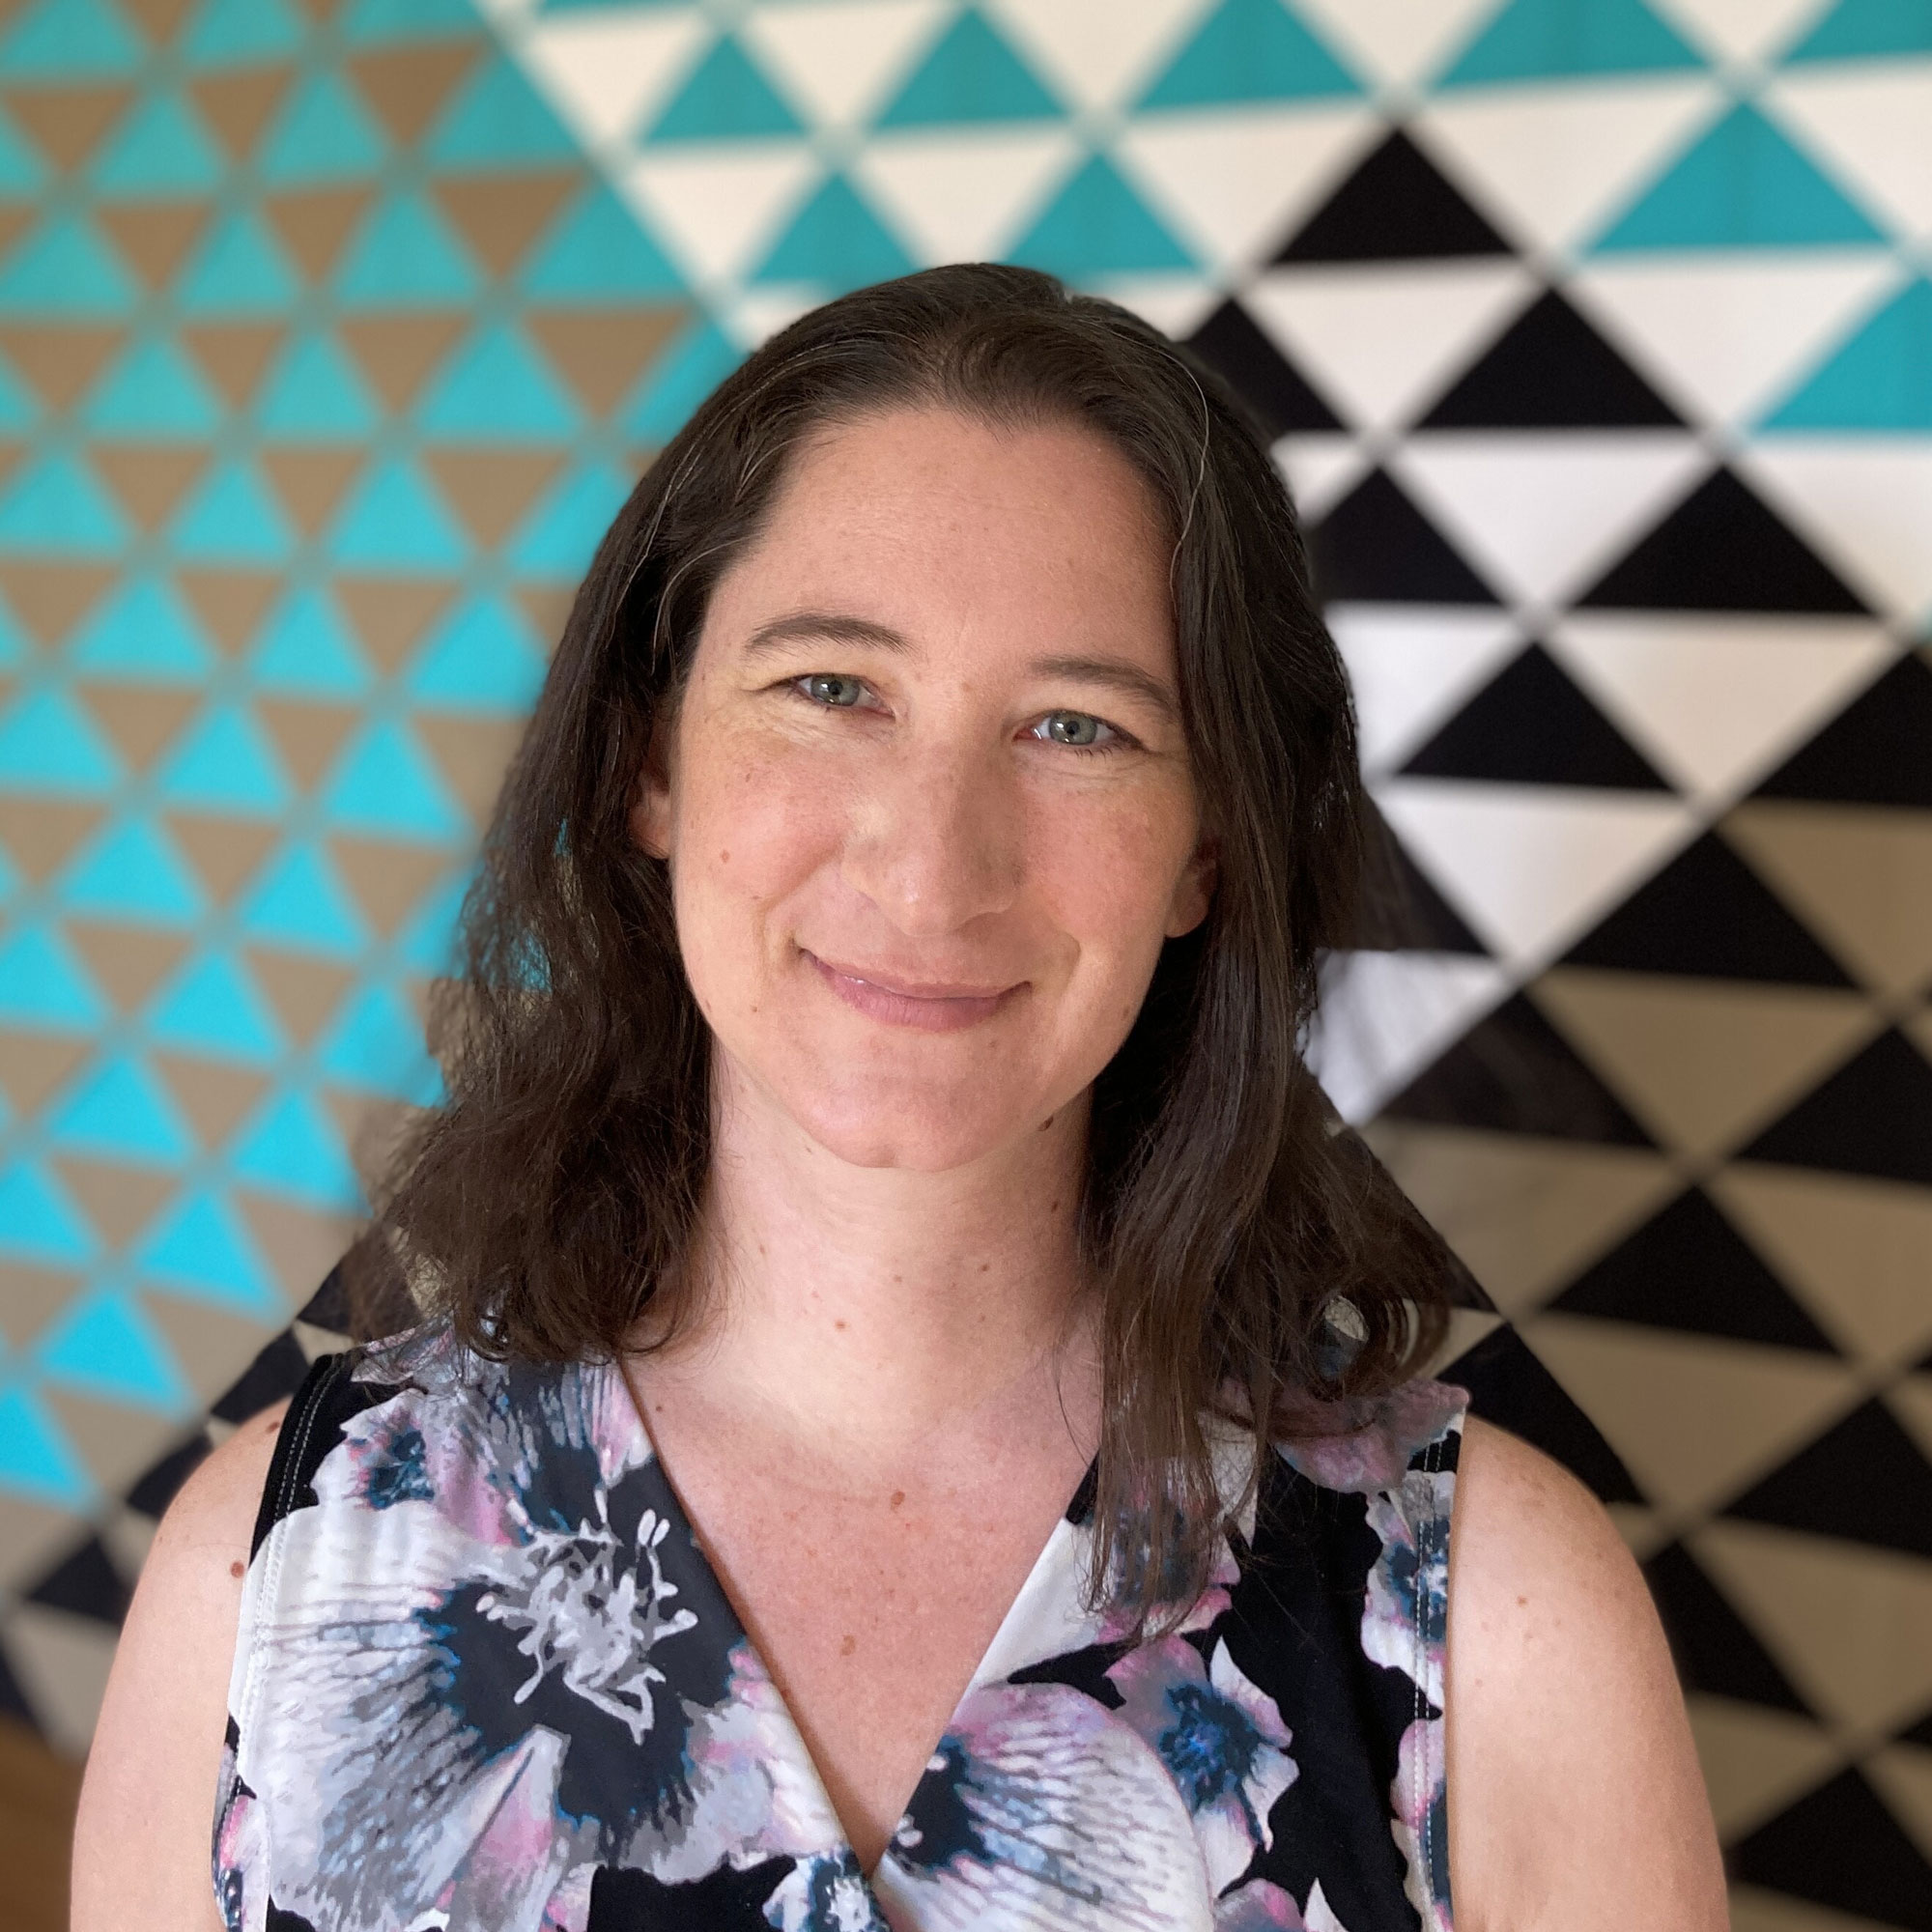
(486, 1682)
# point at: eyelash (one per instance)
(1118, 740)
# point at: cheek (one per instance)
(1108, 869)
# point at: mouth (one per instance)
(926, 1006)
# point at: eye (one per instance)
(1080, 729)
(829, 688)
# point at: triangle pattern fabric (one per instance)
(1396, 205)
(1248, 51)
(1541, 40)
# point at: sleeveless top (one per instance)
(486, 1680)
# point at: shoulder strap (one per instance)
(299, 1445)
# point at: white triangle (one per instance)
(719, 208)
(1531, 867)
(1385, 1015)
(608, 73)
(1869, 501)
(1238, 182)
(1096, 53)
(1743, 30)
(1542, 512)
(1412, 666)
(1176, 305)
(963, 194)
(1553, 161)
(1871, 124)
(839, 59)
(1381, 339)
(1394, 41)
(1728, 333)
(1318, 466)
(762, 312)
(1716, 701)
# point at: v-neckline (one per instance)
(1018, 1616)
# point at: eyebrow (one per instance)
(840, 627)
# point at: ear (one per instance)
(651, 816)
(1194, 890)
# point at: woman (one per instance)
(915, 1423)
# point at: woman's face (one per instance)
(926, 801)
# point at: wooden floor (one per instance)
(37, 1795)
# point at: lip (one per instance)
(928, 1006)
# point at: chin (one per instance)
(927, 1132)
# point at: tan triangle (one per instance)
(140, 719)
(396, 353)
(40, 834)
(1861, 874)
(407, 86)
(30, 1297)
(213, 1345)
(314, 223)
(372, 1128)
(473, 754)
(118, 1200)
(312, 482)
(1694, 1419)
(301, 1246)
(390, 615)
(1702, 1062)
(1903, 1776)
(226, 852)
(492, 488)
(1756, 1760)
(158, 19)
(238, 102)
(16, 218)
(128, 960)
(50, 598)
(32, 1537)
(67, 121)
(117, 1443)
(60, 361)
(548, 607)
(1857, 1251)
(319, 11)
(308, 734)
(216, 1096)
(233, 356)
(156, 236)
(1525, 1214)
(1846, 1621)
(149, 479)
(62, 1662)
(231, 603)
(388, 880)
(602, 353)
(35, 1066)
(304, 993)
(12, 455)
(499, 215)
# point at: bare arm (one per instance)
(143, 1835)
(1575, 1804)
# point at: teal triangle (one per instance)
(404, 255)
(122, 1113)
(143, 633)
(366, 22)
(322, 135)
(481, 657)
(394, 520)
(432, 939)
(36, 1459)
(22, 172)
(307, 651)
(44, 986)
(498, 120)
(598, 253)
(970, 75)
(1878, 381)
(562, 533)
(104, 1346)
(160, 149)
(202, 1251)
(56, 505)
(302, 906)
(314, 393)
(375, 1046)
(1249, 50)
(681, 378)
(49, 744)
(231, 518)
(212, 1009)
(1869, 30)
(292, 1148)
(152, 391)
(38, 1221)
(1096, 225)
(240, 32)
(837, 241)
(1743, 186)
(133, 872)
(496, 389)
(1556, 40)
(224, 764)
(725, 97)
(71, 40)
(385, 787)
(240, 270)
(64, 267)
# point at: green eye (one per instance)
(828, 687)
(1071, 727)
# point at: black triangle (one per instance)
(1867, 1479)
(1716, 1652)
(1920, 1733)
(1874, 1116)
(13, 1705)
(1708, 914)
(1550, 370)
(1878, 750)
(1375, 546)
(1403, 912)
(1281, 397)
(1529, 724)
(1512, 1072)
(1722, 549)
(1689, 1270)
(85, 1585)
(1839, 1847)
(277, 1371)
(158, 1483)
(1395, 207)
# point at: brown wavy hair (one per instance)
(1254, 1260)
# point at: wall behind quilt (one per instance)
(1598, 339)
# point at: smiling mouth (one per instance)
(937, 1006)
